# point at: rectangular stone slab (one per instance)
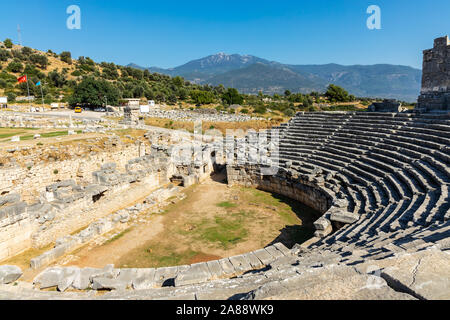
(227, 267)
(215, 269)
(254, 261)
(282, 248)
(265, 257)
(240, 264)
(163, 274)
(197, 273)
(274, 252)
(145, 279)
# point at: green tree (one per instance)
(11, 96)
(337, 94)
(202, 97)
(39, 60)
(15, 67)
(232, 96)
(66, 56)
(26, 51)
(8, 43)
(4, 55)
(178, 81)
(91, 92)
(56, 79)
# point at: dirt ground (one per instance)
(212, 222)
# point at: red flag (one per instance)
(22, 79)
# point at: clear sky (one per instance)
(170, 33)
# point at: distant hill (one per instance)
(267, 78)
(251, 74)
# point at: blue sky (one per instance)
(170, 33)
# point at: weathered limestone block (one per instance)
(82, 280)
(425, 274)
(145, 279)
(49, 278)
(323, 233)
(322, 224)
(343, 216)
(107, 272)
(69, 276)
(197, 273)
(328, 283)
(9, 274)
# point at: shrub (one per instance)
(15, 67)
(4, 55)
(8, 43)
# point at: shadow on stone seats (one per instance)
(293, 234)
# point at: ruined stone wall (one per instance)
(64, 207)
(30, 181)
(308, 193)
(435, 93)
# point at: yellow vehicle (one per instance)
(78, 110)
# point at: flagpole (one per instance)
(28, 88)
(42, 94)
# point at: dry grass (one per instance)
(213, 125)
(214, 221)
(23, 259)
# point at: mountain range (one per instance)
(250, 74)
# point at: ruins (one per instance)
(388, 105)
(435, 93)
(380, 181)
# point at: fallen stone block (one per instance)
(49, 278)
(322, 223)
(107, 272)
(82, 280)
(344, 216)
(70, 274)
(323, 233)
(9, 274)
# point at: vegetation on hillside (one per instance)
(84, 82)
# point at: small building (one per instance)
(3, 102)
(132, 103)
(388, 105)
(30, 98)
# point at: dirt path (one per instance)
(99, 256)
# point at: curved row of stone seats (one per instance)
(390, 178)
(378, 267)
(110, 278)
